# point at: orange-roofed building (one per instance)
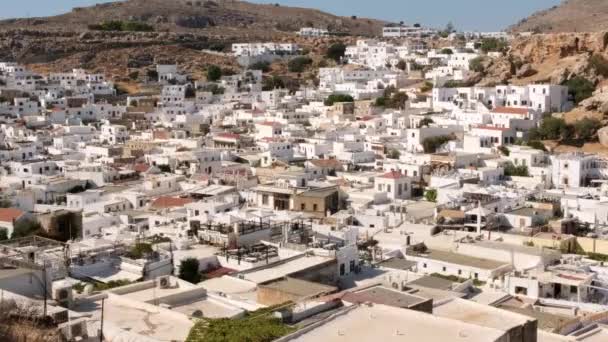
(166, 202)
(395, 185)
(9, 217)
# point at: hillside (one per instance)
(225, 16)
(569, 16)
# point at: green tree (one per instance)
(553, 128)
(580, 88)
(214, 73)
(426, 122)
(336, 51)
(599, 64)
(140, 250)
(263, 66)
(298, 64)
(431, 195)
(504, 150)
(26, 227)
(3, 234)
(493, 45)
(476, 64)
(447, 51)
(393, 154)
(188, 270)
(334, 98)
(431, 144)
(517, 171)
(402, 65)
(586, 128)
(272, 82)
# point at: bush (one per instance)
(214, 73)
(188, 270)
(333, 98)
(27, 227)
(256, 326)
(431, 195)
(426, 122)
(273, 82)
(580, 88)
(504, 150)
(518, 171)
(298, 64)
(140, 250)
(3, 234)
(447, 51)
(431, 144)
(214, 88)
(535, 144)
(453, 84)
(599, 64)
(393, 154)
(586, 128)
(493, 45)
(402, 65)
(426, 87)
(336, 51)
(126, 26)
(263, 66)
(476, 64)
(553, 128)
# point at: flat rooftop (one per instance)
(479, 314)
(298, 287)
(460, 259)
(385, 296)
(282, 269)
(388, 324)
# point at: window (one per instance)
(476, 275)
(303, 206)
(459, 272)
(265, 199)
(342, 269)
(423, 265)
(314, 207)
(444, 269)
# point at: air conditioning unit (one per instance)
(60, 316)
(63, 296)
(75, 330)
(164, 282)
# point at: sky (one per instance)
(466, 15)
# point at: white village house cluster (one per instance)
(433, 219)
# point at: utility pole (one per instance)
(101, 330)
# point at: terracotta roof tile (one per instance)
(10, 214)
(511, 110)
(170, 202)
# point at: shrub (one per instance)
(553, 128)
(140, 250)
(117, 25)
(599, 64)
(393, 154)
(426, 87)
(535, 144)
(134, 75)
(333, 98)
(214, 88)
(402, 65)
(27, 227)
(298, 64)
(431, 144)
(518, 171)
(426, 122)
(3, 234)
(431, 195)
(447, 51)
(273, 82)
(263, 66)
(256, 326)
(580, 88)
(336, 51)
(214, 73)
(493, 45)
(586, 128)
(476, 64)
(452, 84)
(188, 270)
(504, 150)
